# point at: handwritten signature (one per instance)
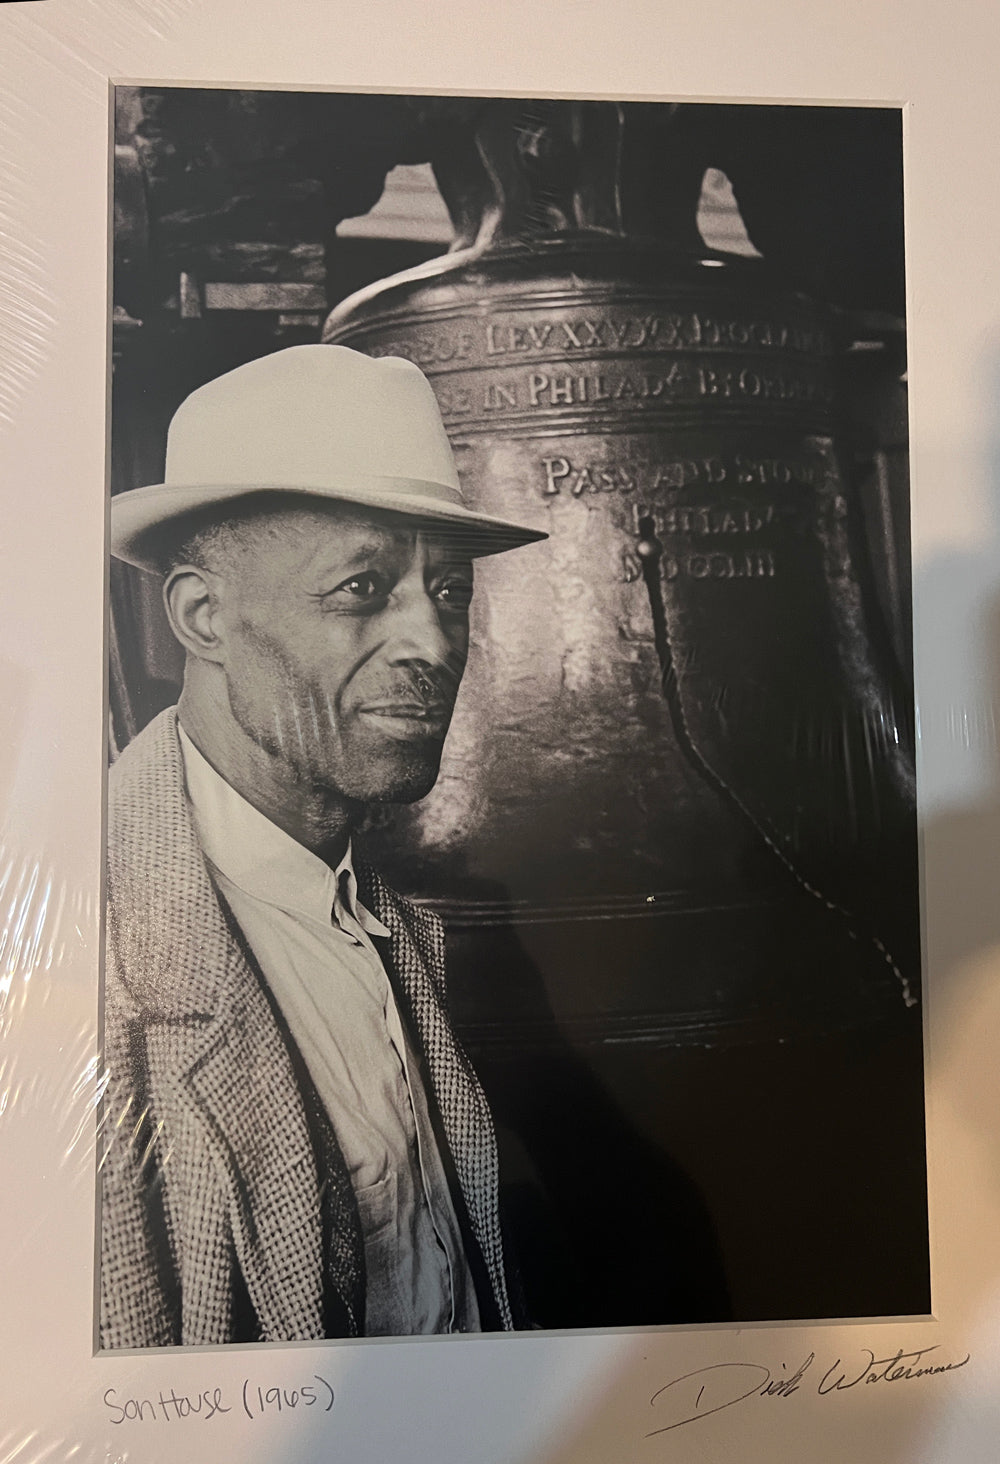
(709, 1390)
(258, 1402)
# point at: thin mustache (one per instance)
(423, 688)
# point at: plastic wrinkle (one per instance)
(13, 1451)
(27, 321)
(87, 1094)
(32, 915)
(130, 22)
(43, 924)
(29, 308)
(137, 17)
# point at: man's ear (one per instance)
(192, 605)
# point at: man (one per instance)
(296, 1145)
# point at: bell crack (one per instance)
(649, 551)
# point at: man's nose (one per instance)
(418, 634)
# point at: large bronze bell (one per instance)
(682, 745)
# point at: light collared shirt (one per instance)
(312, 939)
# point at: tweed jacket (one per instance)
(211, 1191)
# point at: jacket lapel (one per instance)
(220, 1074)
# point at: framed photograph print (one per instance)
(499, 788)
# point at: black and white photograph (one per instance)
(512, 911)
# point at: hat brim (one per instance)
(143, 520)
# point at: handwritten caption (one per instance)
(722, 1385)
(253, 1399)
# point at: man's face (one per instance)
(346, 635)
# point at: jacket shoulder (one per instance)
(162, 915)
(380, 896)
(414, 926)
(150, 764)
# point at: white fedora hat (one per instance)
(324, 421)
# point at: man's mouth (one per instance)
(408, 718)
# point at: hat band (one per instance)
(368, 483)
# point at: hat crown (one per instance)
(314, 420)
(307, 414)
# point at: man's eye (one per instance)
(363, 587)
(456, 594)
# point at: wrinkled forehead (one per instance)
(349, 531)
(281, 531)
(307, 523)
(270, 518)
